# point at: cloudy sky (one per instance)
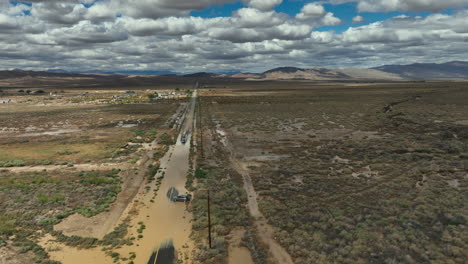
(228, 35)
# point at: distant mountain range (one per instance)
(128, 72)
(417, 71)
(449, 70)
(288, 73)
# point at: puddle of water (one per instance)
(337, 159)
(222, 134)
(238, 254)
(462, 122)
(266, 157)
(365, 172)
(129, 125)
(454, 183)
(50, 133)
(121, 124)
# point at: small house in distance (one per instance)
(130, 93)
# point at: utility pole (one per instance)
(209, 219)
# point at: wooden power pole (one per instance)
(209, 220)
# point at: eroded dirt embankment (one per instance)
(100, 225)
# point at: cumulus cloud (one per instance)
(316, 14)
(330, 20)
(358, 19)
(7, 22)
(100, 11)
(416, 30)
(160, 34)
(147, 27)
(312, 10)
(405, 5)
(253, 18)
(264, 5)
(58, 12)
(161, 8)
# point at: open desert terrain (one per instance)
(233, 132)
(339, 173)
(295, 171)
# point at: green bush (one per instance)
(42, 198)
(12, 163)
(167, 139)
(200, 174)
(7, 224)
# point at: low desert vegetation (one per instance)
(342, 178)
(44, 143)
(39, 200)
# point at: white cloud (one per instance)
(7, 22)
(59, 13)
(311, 11)
(405, 5)
(264, 5)
(100, 11)
(162, 35)
(16, 10)
(165, 26)
(358, 19)
(315, 14)
(330, 20)
(252, 18)
(161, 8)
(410, 31)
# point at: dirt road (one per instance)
(264, 230)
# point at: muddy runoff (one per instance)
(167, 222)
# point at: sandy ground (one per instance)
(76, 167)
(237, 253)
(9, 255)
(100, 225)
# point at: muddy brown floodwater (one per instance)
(164, 219)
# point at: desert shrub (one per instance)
(199, 173)
(12, 163)
(115, 238)
(167, 139)
(8, 224)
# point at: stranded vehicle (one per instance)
(181, 198)
(184, 137)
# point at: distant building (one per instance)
(130, 93)
(5, 101)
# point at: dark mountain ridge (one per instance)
(429, 71)
(448, 70)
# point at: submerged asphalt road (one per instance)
(164, 255)
(170, 225)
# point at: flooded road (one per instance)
(164, 220)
